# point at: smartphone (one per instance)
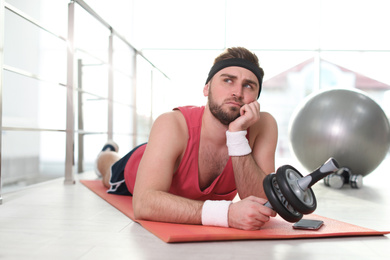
(308, 224)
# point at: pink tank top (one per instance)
(185, 180)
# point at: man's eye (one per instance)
(247, 86)
(228, 80)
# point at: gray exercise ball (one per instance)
(344, 124)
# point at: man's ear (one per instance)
(206, 90)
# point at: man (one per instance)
(198, 158)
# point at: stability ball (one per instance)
(344, 124)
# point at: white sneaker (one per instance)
(111, 145)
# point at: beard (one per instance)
(225, 117)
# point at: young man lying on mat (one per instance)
(198, 158)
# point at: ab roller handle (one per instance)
(330, 166)
(290, 194)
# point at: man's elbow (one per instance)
(142, 207)
(138, 208)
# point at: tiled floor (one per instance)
(57, 221)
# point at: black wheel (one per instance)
(278, 201)
(303, 201)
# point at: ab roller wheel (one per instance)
(290, 194)
(303, 201)
(277, 200)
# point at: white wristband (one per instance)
(215, 213)
(237, 143)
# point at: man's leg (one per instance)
(106, 158)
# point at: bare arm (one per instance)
(248, 176)
(165, 207)
(151, 200)
(250, 170)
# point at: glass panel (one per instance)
(118, 13)
(176, 24)
(144, 83)
(272, 24)
(187, 72)
(53, 15)
(31, 49)
(31, 157)
(52, 107)
(53, 58)
(123, 119)
(366, 71)
(123, 57)
(20, 158)
(52, 154)
(288, 80)
(123, 89)
(20, 92)
(95, 77)
(360, 24)
(46, 103)
(90, 35)
(161, 89)
(95, 113)
(375, 65)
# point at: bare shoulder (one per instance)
(266, 127)
(166, 144)
(263, 140)
(171, 121)
(266, 121)
(169, 130)
(267, 117)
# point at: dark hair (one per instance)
(238, 56)
(241, 53)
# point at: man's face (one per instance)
(229, 90)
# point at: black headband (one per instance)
(239, 63)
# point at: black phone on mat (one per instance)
(308, 224)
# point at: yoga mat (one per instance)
(276, 228)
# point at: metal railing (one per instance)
(71, 79)
(1, 85)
